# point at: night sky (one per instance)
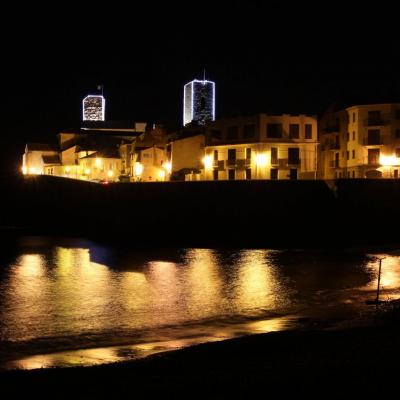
(263, 56)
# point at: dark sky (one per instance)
(263, 56)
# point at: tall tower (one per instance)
(199, 101)
(94, 107)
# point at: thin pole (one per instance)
(379, 279)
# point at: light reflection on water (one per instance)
(67, 297)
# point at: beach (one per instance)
(316, 363)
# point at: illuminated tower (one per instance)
(93, 107)
(199, 102)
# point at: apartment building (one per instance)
(261, 147)
(361, 141)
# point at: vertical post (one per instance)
(379, 279)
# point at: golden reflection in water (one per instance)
(71, 358)
(27, 295)
(257, 283)
(136, 295)
(390, 273)
(83, 288)
(165, 289)
(203, 283)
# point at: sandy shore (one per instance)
(360, 361)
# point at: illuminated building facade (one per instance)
(93, 108)
(361, 141)
(247, 148)
(199, 102)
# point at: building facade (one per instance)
(199, 102)
(361, 141)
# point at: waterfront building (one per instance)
(361, 141)
(39, 158)
(199, 102)
(255, 147)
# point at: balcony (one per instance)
(374, 122)
(231, 162)
(378, 141)
(334, 164)
(332, 129)
(294, 161)
(332, 146)
(218, 164)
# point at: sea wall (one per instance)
(224, 213)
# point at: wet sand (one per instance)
(358, 361)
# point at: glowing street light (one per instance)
(208, 161)
(168, 167)
(261, 160)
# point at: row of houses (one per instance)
(362, 141)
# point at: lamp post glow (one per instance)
(208, 162)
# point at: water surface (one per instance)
(67, 302)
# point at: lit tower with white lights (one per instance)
(199, 101)
(94, 106)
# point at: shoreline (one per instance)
(309, 360)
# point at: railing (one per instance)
(333, 146)
(332, 129)
(294, 161)
(373, 141)
(334, 163)
(218, 164)
(375, 121)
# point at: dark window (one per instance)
(215, 154)
(396, 173)
(231, 174)
(274, 173)
(274, 155)
(397, 133)
(373, 156)
(347, 155)
(354, 135)
(249, 131)
(248, 154)
(216, 134)
(354, 174)
(374, 117)
(353, 154)
(308, 131)
(232, 154)
(293, 173)
(293, 156)
(215, 174)
(233, 133)
(248, 173)
(274, 130)
(294, 131)
(374, 136)
(347, 136)
(398, 152)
